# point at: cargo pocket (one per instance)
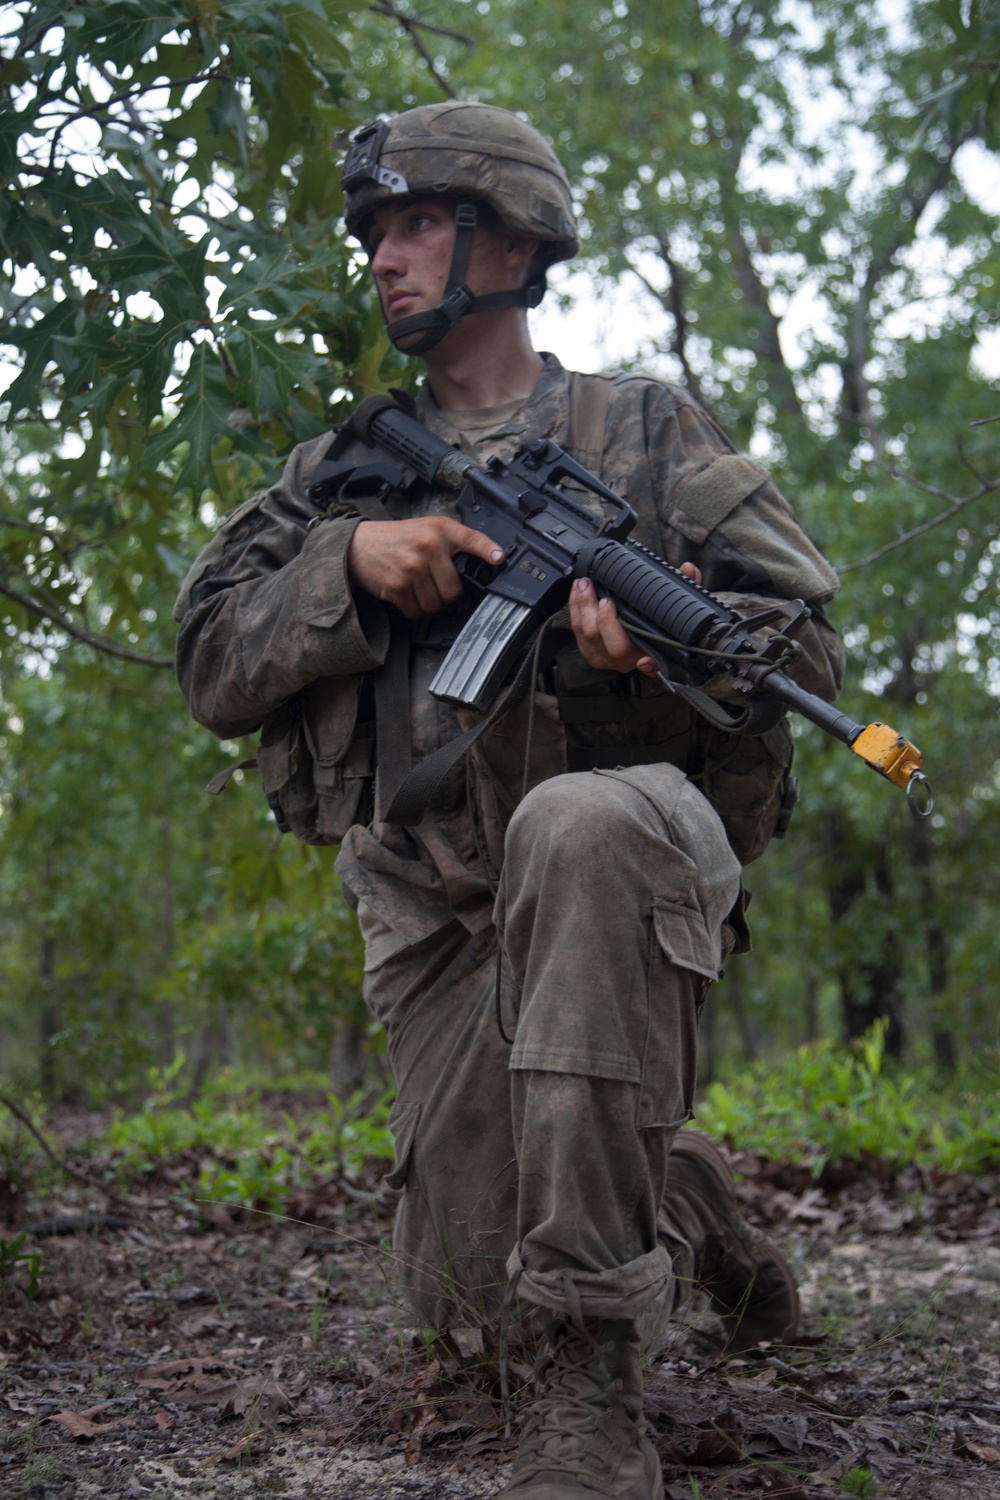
(684, 960)
(403, 1120)
(316, 761)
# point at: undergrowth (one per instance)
(829, 1103)
(257, 1145)
(250, 1153)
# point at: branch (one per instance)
(26, 1122)
(755, 294)
(880, 264)
(672, 302)
(411, 26)
(138, 124)
(41, 529)
(125, 97)
(98, 642)
(955, 504)
(386, 9)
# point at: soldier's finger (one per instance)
(618, 646)
(583, 604)
(464, 539)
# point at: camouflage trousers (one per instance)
(529, 1162)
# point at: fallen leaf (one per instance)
(202, 1323)
(20, 1403)
(174, 1375)
(985, 1452)
(79, 1424)
(720, 1441)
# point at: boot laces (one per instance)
(574, 1384)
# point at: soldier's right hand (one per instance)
(411, 563)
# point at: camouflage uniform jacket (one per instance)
(271, 633)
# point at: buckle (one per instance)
(456, 304)
(534, 292)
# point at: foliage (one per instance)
(138, 915)
(180, 312)
(246, 1155)
(859, 1482)
(290, 978)
(15, 1257)
(790, 196)
(823, 1103)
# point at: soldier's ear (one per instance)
(521, 248)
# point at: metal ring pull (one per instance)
(922, 805)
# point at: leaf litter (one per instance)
(206, 1350)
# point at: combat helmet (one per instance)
(475, 153)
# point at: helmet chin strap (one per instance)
(457, 299)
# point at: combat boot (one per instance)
(747, 1280)
(584, 1434)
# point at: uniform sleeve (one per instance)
(267, 607)
(722, 511)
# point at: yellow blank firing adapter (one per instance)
(894, 757)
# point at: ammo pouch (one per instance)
(747, 779)
(315, 761)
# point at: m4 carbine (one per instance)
(549, 538)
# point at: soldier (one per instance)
(586, 919)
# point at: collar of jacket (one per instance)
(545, 414)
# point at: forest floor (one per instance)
(219, 1353)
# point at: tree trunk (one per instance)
(870, 991)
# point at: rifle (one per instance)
(549, 538)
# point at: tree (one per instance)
(182, 311)
(184, 307)
(180, 304)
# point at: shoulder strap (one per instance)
(589, 400)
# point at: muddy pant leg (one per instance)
(451, 1120)
(612, 907)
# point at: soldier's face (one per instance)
(411, 252)
(411, 255)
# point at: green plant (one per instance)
(859, 1482)
(14, 1256)
(246, 1156)
(833, 1103)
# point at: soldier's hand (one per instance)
(602, 639)
(411, 563)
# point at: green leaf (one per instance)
(226, 113)
(202, 421)
(36, 344)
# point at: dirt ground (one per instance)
(172, 1352)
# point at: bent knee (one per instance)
(578, 808)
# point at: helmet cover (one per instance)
(468, 151)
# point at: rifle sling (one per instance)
(392, 692)
(411, 797)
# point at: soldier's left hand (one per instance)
(602, 639)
